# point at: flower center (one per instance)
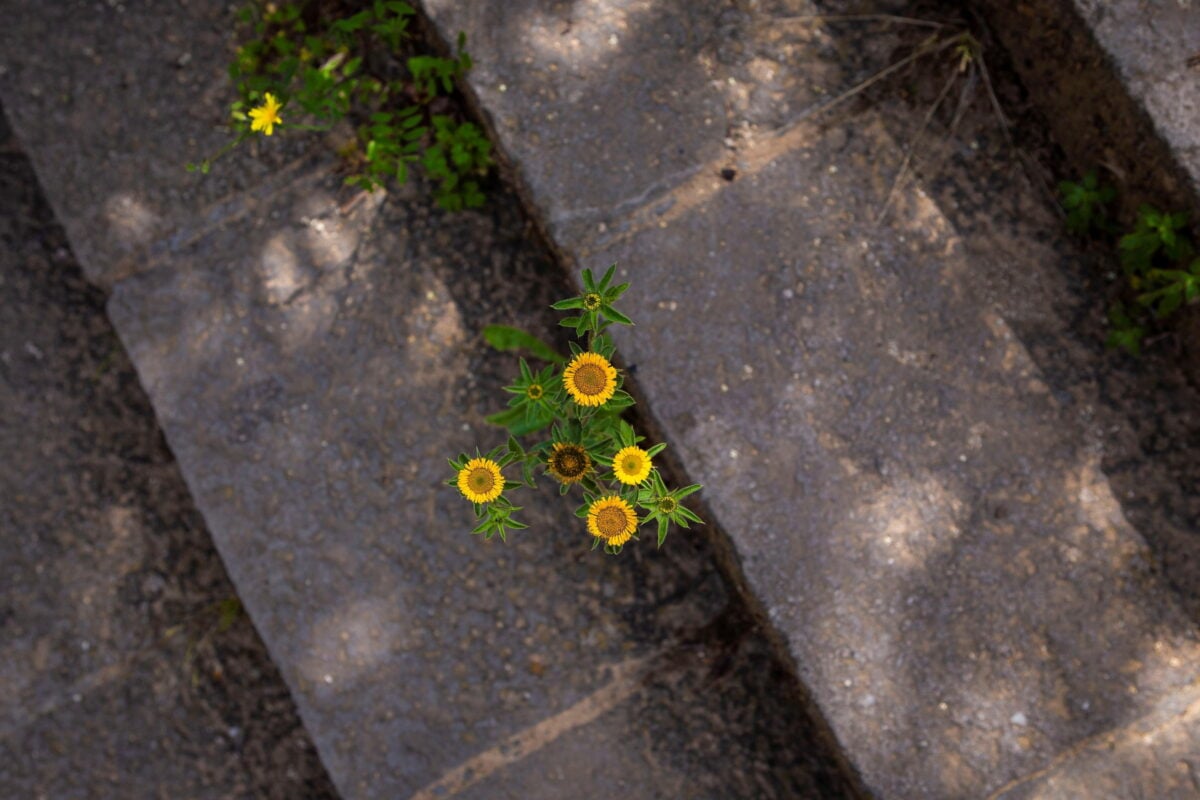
(569, 464)
(667, 505)
(590, 379)
(611, 521)
(591, 301)
(534, 392)
(481, 480)
(632, 463)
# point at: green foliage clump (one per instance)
(326, 69)
(1157, 259)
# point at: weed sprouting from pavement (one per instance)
(304, 68)
(1157, 259)
(581, 401)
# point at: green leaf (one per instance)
(531, 422)
(527, 472)
(1172, 299)
(351, 24)
(614, 315)
(620, 399)
(608, 276)
(506, 418)
(507, 338)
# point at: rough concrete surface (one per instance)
(897, 426)
(313, 356)
(120, 680)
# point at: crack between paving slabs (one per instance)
(627, 678)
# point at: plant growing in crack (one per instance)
(1157, 259)
(581, 401)
(202, 628)
(306, 68)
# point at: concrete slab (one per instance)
(924, 515)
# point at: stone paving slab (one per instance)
(922, 514)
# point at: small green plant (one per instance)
(1086, 204)
(1124, 331)
(1171, 288)
(202, 628)
(299, 62)
(1156, 259)
(589, 445)
(1156, 238)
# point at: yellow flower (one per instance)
(590, 379)
(534, 391)
(612, 519)
(480, 480)
(631, 465)
(569, 462)
(265, 117)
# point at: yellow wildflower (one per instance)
(480, 480)
(590, 379)
(631, 465)
(265, 117)
(612, 519)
